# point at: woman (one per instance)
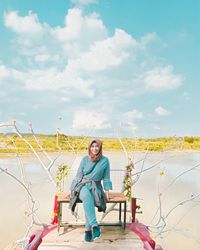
(87, 185)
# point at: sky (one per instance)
(101, 67)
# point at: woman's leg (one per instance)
(86, 196)
(87, 224)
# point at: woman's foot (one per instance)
(88, 236)
(96, 232)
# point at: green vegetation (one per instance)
(13, 144)
(62, 172)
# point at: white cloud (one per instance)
(162, 79)
(35, 40)
(23, 25)
(81, 49)
(83, 62)
(9, 74)
(156, 127)
(84, 119)
(41, 58)
(48, 79)
(36, 106)
(78, 52)
(52, 79)
(148, 38)
(65, 99)
(22, 113)
(45, 58)
(79, 30)
(161, 111)
(186, 95)
(131, 126)
(4, 72)
(129, 120)
(72, 28)
(132, 115)
(103, 54)
(84, 2)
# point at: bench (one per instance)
(118, 198)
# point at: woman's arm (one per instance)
(78, 175)
(106, 180)
(107, 194)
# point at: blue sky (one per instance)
(101, 66)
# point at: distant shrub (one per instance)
(189, 139)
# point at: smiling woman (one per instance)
(87, 187)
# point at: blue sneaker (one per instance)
(88, 236)
(96, 232)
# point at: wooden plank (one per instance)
(113, 238)
(114, 197)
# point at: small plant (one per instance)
(128, 180)
(62, 172)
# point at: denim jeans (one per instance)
(87, 197)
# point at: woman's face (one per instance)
(94, 148)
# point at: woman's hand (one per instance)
(107, 195)
(68, 195)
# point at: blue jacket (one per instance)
(101, 171)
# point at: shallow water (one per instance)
(181, 236)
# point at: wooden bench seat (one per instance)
(119, 198)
